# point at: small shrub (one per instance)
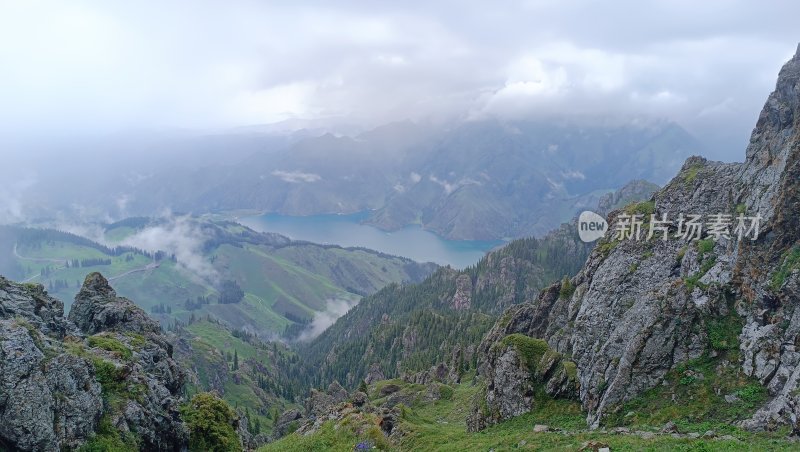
(704, 246)
(530, 350)
(681, 253)
(109, 439)
(211, 424)
(445, 392)
(110, 344)
(752, 393)
(567, 289)
(111, 379)
(605, 247)
(790, 262)
(691, 173)
(723, 333)
(644, 208)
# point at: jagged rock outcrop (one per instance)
(287, 422)
(517, 369)
(634, 190)
(638, 308)
(126, 338)
(440, 372)
(60, 379)
(49, 398)
(462, 299)
(374, 374)
(97, 308)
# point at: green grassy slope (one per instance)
(285, 283)
(246, 372)
(412, 327)
(440, 426)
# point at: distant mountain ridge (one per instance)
(475, 180)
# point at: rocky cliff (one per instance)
(103, 377)
(641, 308)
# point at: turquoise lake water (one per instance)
(346, 230)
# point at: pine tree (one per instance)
(235, 360)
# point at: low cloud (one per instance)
(178, 236)
(573, 174)
(448, 187)
(12, 207)
(295, 177)
(324, 319)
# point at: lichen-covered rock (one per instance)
(337, 392)
(30, 301)
(49, 399)
(462, 298)
(98, 308)
(374, 374)
(288, 421)
(517, 368)
(639, 308)
(123, 337)
(57, 381)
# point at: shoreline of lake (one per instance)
(347, 230)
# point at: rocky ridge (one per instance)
(639, 309)
(107, 369)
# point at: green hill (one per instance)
(283, 283)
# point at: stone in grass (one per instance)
(710, 434)
(595, 446)
(646, 435)
(540, 428)
(669, 427)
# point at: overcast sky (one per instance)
(104, 65)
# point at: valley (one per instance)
(399, 226)
(284, 283)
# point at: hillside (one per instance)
(395, 415)
(283, 283)
(679, 342)
(409, 328)
(707, 320)
(251, 375)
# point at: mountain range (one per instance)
(479, 180)
(686, 340)
(472, 180)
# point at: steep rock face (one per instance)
(97, 308)
(518, 369)
(58, 382)
(132, 344)
(639, 308)
(49, 399)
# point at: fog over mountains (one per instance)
(479, 180)
(252, 226)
